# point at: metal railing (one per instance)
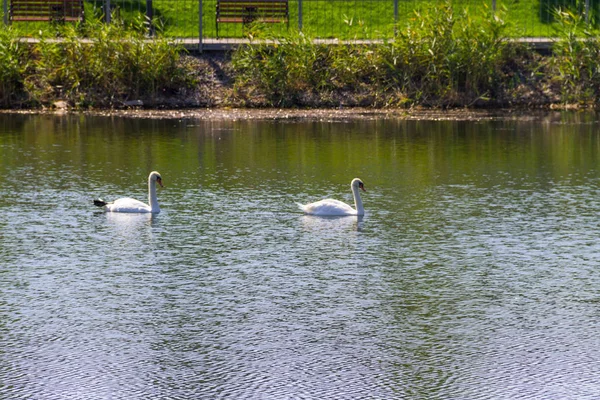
(194, 20)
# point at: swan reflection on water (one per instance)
(130, 232)
(131, 219)
(131, 224)
(332, 223)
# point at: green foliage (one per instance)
(440, 57)
(108, 62)
(431, 61)
(576, 59)
(89, 64)
(12, 65)
(434, 57)
(354, 63)
(296, 69)
(283, 69)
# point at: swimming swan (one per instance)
(129, 205)
(330, 207)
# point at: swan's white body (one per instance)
(129, 205)
(331, 207)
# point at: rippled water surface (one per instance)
(474, 274)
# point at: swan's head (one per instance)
(359, 184)
(155, 177)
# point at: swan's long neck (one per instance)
(358, 204)
(152, 199)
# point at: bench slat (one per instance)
(245, 11)
(257, 15)
(44, 3)
(46, 10)
(274, 21)
(43, 19)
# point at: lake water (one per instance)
(473, 275)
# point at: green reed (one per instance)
(438, 58)
(442, 55)
(92, 64)
(104, 63)
(280, 69)
(13, 62)
(575, 62)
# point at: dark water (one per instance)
(473, 275)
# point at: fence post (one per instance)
(395, 17)
(299, 15)
(494, 5)
(587, 12)
(107, 14)
(150, 17)
(5, 10)
(200, 27)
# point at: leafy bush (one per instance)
(441, 55)
(282, 69)
(104, 64)
(431, 61)
(575, 61)
(12, 64)
(106, 60)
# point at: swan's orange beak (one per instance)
(360, 185)
(159, 180)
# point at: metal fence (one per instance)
(194, 20)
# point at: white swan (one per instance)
(129, 205)
(330, 207)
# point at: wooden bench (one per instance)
(247, 11)
(46, 10)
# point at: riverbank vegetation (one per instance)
(88, 65)
(441, 58)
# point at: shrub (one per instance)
(12, 64)
(575, 61)
(430, 62)
(104, 63)
(441, 55)
(282, 69)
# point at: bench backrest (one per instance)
(246, 8)
(46, 10)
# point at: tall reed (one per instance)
(442, 55)
(282, 69)
(575, 62)
(13, 62)
(104, 63)
(439, 58)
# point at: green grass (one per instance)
(335, 18)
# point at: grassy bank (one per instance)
(443, 59)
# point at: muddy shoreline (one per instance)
(321, 114)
